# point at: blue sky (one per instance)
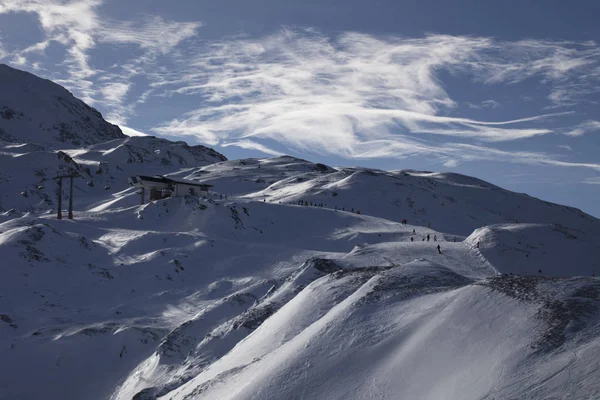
(507, 91)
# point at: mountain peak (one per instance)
(37, 110)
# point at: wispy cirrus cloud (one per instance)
(360, 96)
(151, 33)
(565, 147)
(79, 27)
(453, 154)
(595, 180)
(584, 127)
(250, 145)
(484, 104)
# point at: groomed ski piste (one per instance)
(255, 296)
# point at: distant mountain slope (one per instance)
(36, 110)
(450, 203)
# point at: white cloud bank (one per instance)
(360, 96)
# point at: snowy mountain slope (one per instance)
(103, 169)
(162, 294)
(45, 130)
(539, 249)
(129, 272)
(35, 110)
(451, 203)
(392, 338)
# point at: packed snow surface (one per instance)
(291, 280)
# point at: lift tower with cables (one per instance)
(59, 178)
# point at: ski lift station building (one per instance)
(161, 186)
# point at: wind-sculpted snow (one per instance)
(446, 339)
(566, 306)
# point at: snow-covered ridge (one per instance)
(538, 249)
(449, 202)
(35, 110)
(27, 171)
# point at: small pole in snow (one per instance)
(71, 197)
(59, 214)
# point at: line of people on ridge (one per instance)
(315, 204)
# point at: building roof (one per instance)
(166, 180)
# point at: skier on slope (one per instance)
(439, 249)
(428, 237)
(435, 238)
(411, 239)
